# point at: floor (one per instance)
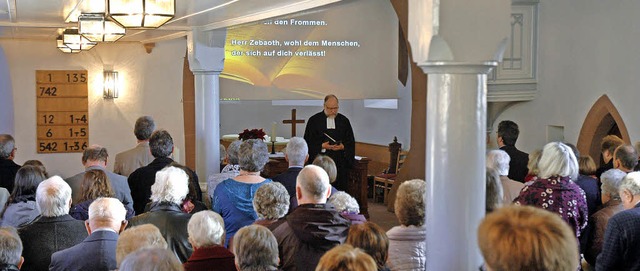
(378, 214)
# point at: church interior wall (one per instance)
(586, 49)
(152, 85)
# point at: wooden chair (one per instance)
(384, 181)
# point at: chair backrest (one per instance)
(401, 157)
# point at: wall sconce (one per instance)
(141, 13)
(96, 28)
(72, 39)
(110, 85)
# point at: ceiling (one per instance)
(43, 19)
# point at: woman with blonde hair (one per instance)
(532, 165)
(346, 258)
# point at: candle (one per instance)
(273, 131)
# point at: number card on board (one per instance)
(62, 105)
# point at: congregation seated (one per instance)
(55, 230)
(620, 249)
(230, 170)
(611, 205)
(555, 190)
(233, 198)
(527, 238)
(407, 246)
(493, 198)
(10, 249)
(138, 237)
(8, 168)
(499, 160)
(256, 249)
(313, 227)
(296, 153)
(141, 180)
(95, 157)
(21, 208)
(346, 258)
(206, 235)
(347, 206)
(97, 251)
(95, 184)
(167, 193)
(151, 259)
(372, 239)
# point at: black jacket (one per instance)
(309, 231)
(8, 170)
(518, 165)
(172, 222)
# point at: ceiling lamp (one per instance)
(141, 13)
(96, 28)
(64, 48)
(72, 39)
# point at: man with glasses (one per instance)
(8, 168)
(330, 133)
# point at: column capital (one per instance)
(450, 67)
(205, 50)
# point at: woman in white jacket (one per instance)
(407, 246)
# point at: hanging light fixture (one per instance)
(64, 48)
(141, 13)
(110, 84)
(96, 28)
(72, 39)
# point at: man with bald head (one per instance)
(313, 227)
(97, 251)
(625, 158)
(330, 133)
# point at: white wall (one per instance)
(370, 125)
(586, 49)
(152, 85)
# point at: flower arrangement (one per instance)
(252, 134)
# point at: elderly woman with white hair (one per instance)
(233, 198)
(167, 193)
(407, 246)
(499, 160)
(612, 204)
(555, 189)
(620, 250)
(347, 206)
(206, 235)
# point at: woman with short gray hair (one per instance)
(407, 246)
(555, 189)
(611, 205)
(347, 206)
(206, 234)
(233, 198)
(256, 249)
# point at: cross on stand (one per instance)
(293, 121)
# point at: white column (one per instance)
(207, 103)
(206, 61)
(455, 163)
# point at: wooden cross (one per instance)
(293, 121)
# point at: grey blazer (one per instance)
(96, 252)
(118, 182)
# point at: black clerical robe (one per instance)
(314, 134)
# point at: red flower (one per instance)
(251, 134)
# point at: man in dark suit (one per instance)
(8, 168)
(296, 153)
(620, 250)
(141, 180)
(55, 230)
(507, 136)
(330, 133)
(96, 157)
(98, 250)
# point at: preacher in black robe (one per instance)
(339, 138)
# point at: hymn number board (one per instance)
(62, 111)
